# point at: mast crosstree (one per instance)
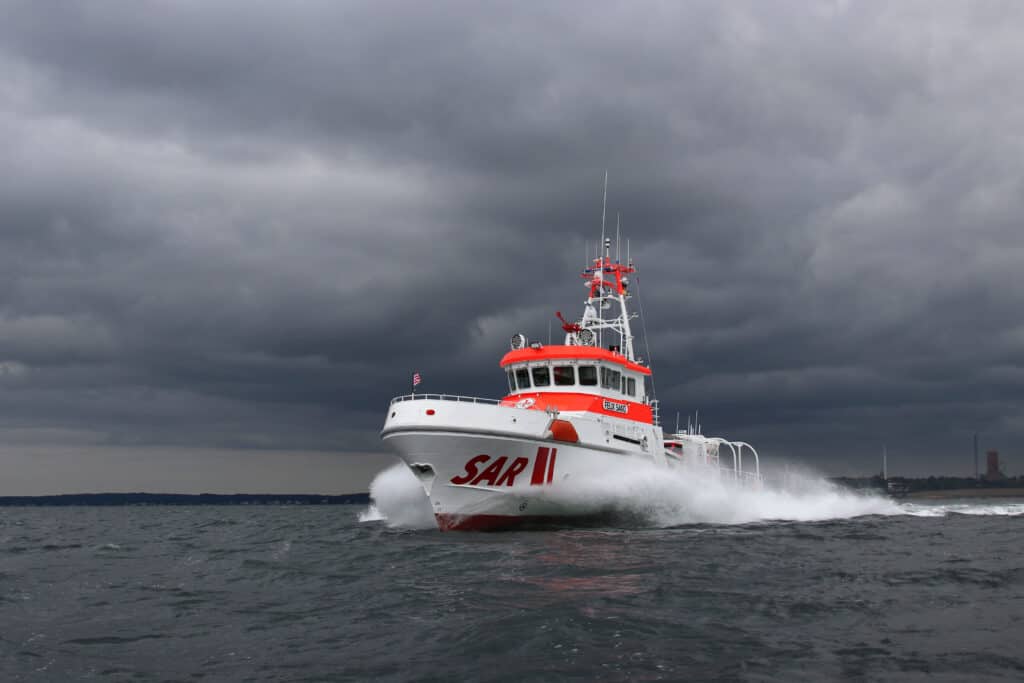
(608, 281)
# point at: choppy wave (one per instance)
(289, 592)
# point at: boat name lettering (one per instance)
(616, 407)
(501, 472)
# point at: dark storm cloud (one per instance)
(245, 224)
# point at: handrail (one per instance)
(444, 397)
(737, 465)
(757, 460)
(736, 448)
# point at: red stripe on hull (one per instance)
(496, 522)
(539, 467)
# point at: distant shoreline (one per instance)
(937, 494)
(125, 499)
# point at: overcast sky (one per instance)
(240, 226)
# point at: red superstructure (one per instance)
(583, 375)
(570, 352)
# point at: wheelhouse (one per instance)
(578, 379)
(584, 376)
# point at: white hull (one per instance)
(486, 466)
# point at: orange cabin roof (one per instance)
(570, 353)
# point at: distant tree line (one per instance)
(930, 483)
(186, 499)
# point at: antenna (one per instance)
(677, 422)
(618, 242)
(600, 308)
(604, 204)
(643, 327)
(885, 463)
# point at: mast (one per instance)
(618, 241)
(600, 307)
(608, 284)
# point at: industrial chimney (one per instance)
(992, 472)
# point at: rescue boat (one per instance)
(489, 464)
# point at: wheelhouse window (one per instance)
(564, 376)
(522, 378)
(588, 375)
(611, 379)
(511, 381)
(541, 377)
(631, 386)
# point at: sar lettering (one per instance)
(495, 474)
(471, 470)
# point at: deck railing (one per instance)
(444, 397)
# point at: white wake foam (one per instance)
(946, 509)
(649, 495)
(694, 496)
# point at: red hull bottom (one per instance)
(509, 522)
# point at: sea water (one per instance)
(691, 582)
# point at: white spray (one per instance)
(644, 494)
(649, 495)
(674, 497)
(399, 500)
